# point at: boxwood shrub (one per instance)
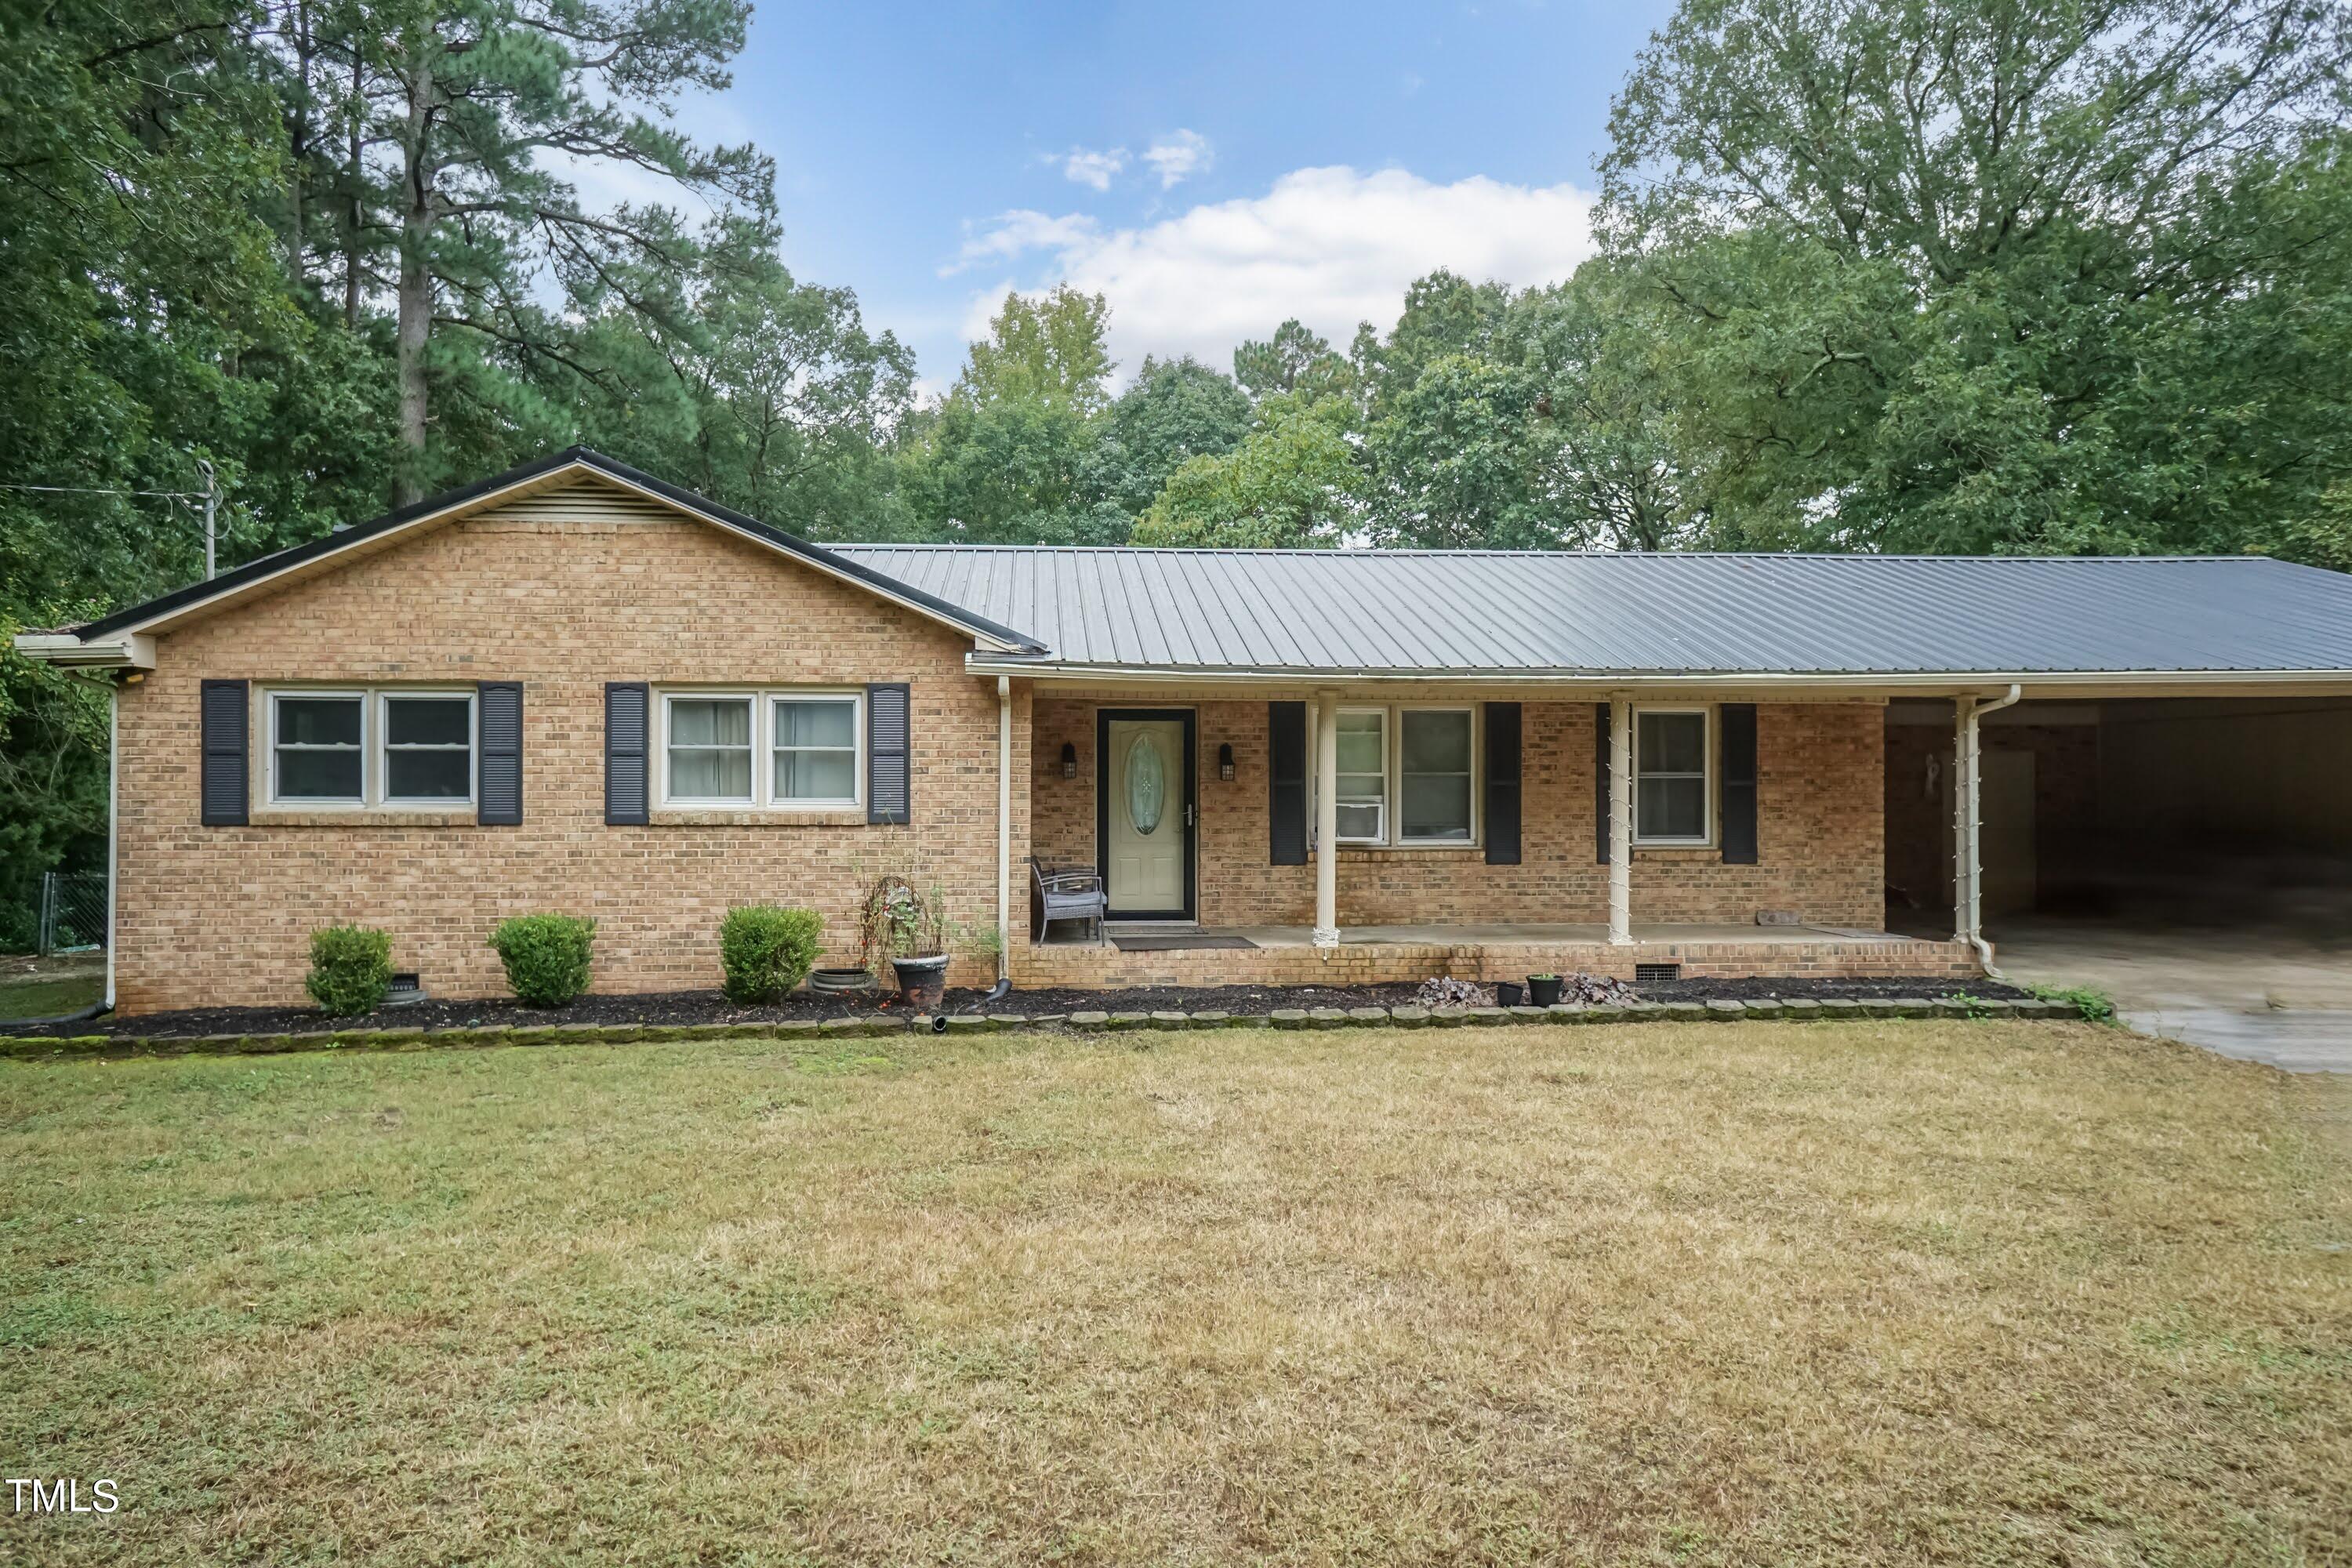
(546, 957)
(351, 969)
(766, 952)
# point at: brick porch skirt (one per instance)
(1105, 968)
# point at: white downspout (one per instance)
(1967, 868)
(1004, 827)
(113, 824)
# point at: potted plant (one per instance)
(1543, 990)
(909, 928)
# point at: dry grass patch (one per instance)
(1916, 1292)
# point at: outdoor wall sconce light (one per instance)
(1070, 761)
(1225, 761)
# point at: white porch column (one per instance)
(1965, 782)
(1620, 822)
(1326, 819)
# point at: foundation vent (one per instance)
(1657, 974)
(405, 989)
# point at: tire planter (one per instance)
(839, 982)
(922, 981)
(1543, 990)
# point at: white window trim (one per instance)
(1392, 762)
(374, 769)
(1396, 775)
(1705, 841)
(1387, 801)
(764, 701)
(379, 753)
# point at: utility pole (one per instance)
(211, 500)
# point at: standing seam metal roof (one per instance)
(1481, 611)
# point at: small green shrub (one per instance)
(2095, 1005)
(546, 957)
(1974, 1007)
(766, 952)
(351, 969)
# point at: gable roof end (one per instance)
(999, 638)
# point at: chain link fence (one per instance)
(73, 910)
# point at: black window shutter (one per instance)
(887, 797)
(1285, 784)
(1502, 783)
(1601, 783)
(628, 746)
(226, 770)
(1738, 722)
(498, 723)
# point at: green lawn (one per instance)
(51, 987)
(1755, 1293)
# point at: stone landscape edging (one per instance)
(867, 1027)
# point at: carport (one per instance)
(2190, 853)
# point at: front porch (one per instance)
(1386, 954)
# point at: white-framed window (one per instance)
(707, 750)
(369, 746)
(813, 750)
(1437, 764)
(1673, 786)
(428, 747)
(1363, 775)
(784, 749)
(1407, 774)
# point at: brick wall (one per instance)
(223, 916)
(1819, 829)
(1379, 964)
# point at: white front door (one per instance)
(1144, 809)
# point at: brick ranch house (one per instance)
(574, 687)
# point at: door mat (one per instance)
(1179, 941)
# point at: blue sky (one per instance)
(1212, 167)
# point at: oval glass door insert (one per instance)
(1147, 784)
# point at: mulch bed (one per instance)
(674, 1007)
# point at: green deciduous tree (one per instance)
(1175, 410)
(1993, 275)
(1051, 351)
(1293, 481)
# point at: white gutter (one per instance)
(124, 650)
(1601, 682)
(1967, 868)
(1004, 827)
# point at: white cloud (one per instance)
(1331, 247)
(1088, 167)
(1018, 232)
(1178, 156)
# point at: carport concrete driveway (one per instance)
(2269, 993)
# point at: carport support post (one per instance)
(1968, 816)
(1326, 819)
(1620, 822)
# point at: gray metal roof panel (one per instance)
(1481, 611)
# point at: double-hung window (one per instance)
(376, 747)
(788, 749)
(710, 750)
(1672, 798)
(1434, 770)
(1363, 778)
(1406, 775)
